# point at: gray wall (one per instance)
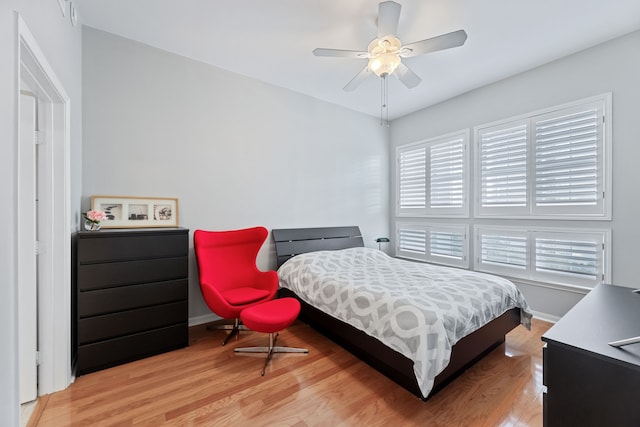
(236, 152)
(61, 44)
(610, 67)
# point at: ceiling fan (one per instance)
(385, 52)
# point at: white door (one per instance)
(28, 263)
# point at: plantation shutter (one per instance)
(568, 160)
(448, 244)
(503, 167)
(446, 178)
(570, 257)
(439, 243)
(412, 179)
(573, 257)
(412, 242)
(579, 258)
(503, 250)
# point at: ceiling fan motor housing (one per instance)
(383, 55)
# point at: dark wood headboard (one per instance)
(294, 241)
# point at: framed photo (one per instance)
(136, 212)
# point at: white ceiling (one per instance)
(272, 41)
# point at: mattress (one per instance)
(420, 310)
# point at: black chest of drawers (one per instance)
(590, 383)
(129, 296)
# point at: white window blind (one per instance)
(446, 176)
(570, 257)
(439, 243)
(549, 164)
(574, 257)
(412, 179)
(503, 167)
(568, 160)
(432, 177)
(412, 242)
(448, 244)
(502, 251)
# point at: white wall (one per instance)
(611, 67)
(235, 151)
(61, 44)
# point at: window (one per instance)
(570, 257)
(438, 243)
(551, 164)
(569, 161)
(502, 155)
(503, 251)
(432, 177)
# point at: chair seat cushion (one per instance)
(243, 296)
(271, 316)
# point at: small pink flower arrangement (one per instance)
(93, 218)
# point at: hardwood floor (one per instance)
(207, 384)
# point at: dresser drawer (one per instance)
(104, 301)
(124, 248)
(92, 329)
(104, 354)
(108, 275)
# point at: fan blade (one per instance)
(388, 16)
(358, 79)
(445, 41)
(406, 76)
(340, 53)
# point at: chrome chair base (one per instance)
(234, 330)
(270, 350)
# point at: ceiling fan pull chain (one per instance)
(384, 101)
(381, 102)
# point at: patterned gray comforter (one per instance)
(420, 310)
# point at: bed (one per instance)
(422, 359)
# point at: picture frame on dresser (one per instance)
(136, 212)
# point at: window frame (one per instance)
(429, 211)
(530, 273)
(602, 210)
(428, 256)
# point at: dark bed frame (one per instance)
(399, 368)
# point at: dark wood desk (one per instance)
(590, 383)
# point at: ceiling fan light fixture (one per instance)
(383, 55)
(384, 64)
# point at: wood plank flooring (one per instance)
(209, 385)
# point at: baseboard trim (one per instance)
(545, 316)
(205, 318)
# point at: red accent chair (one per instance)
(229, 278)
(271, 317)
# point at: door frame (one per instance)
(54, 284)
(27, 225)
